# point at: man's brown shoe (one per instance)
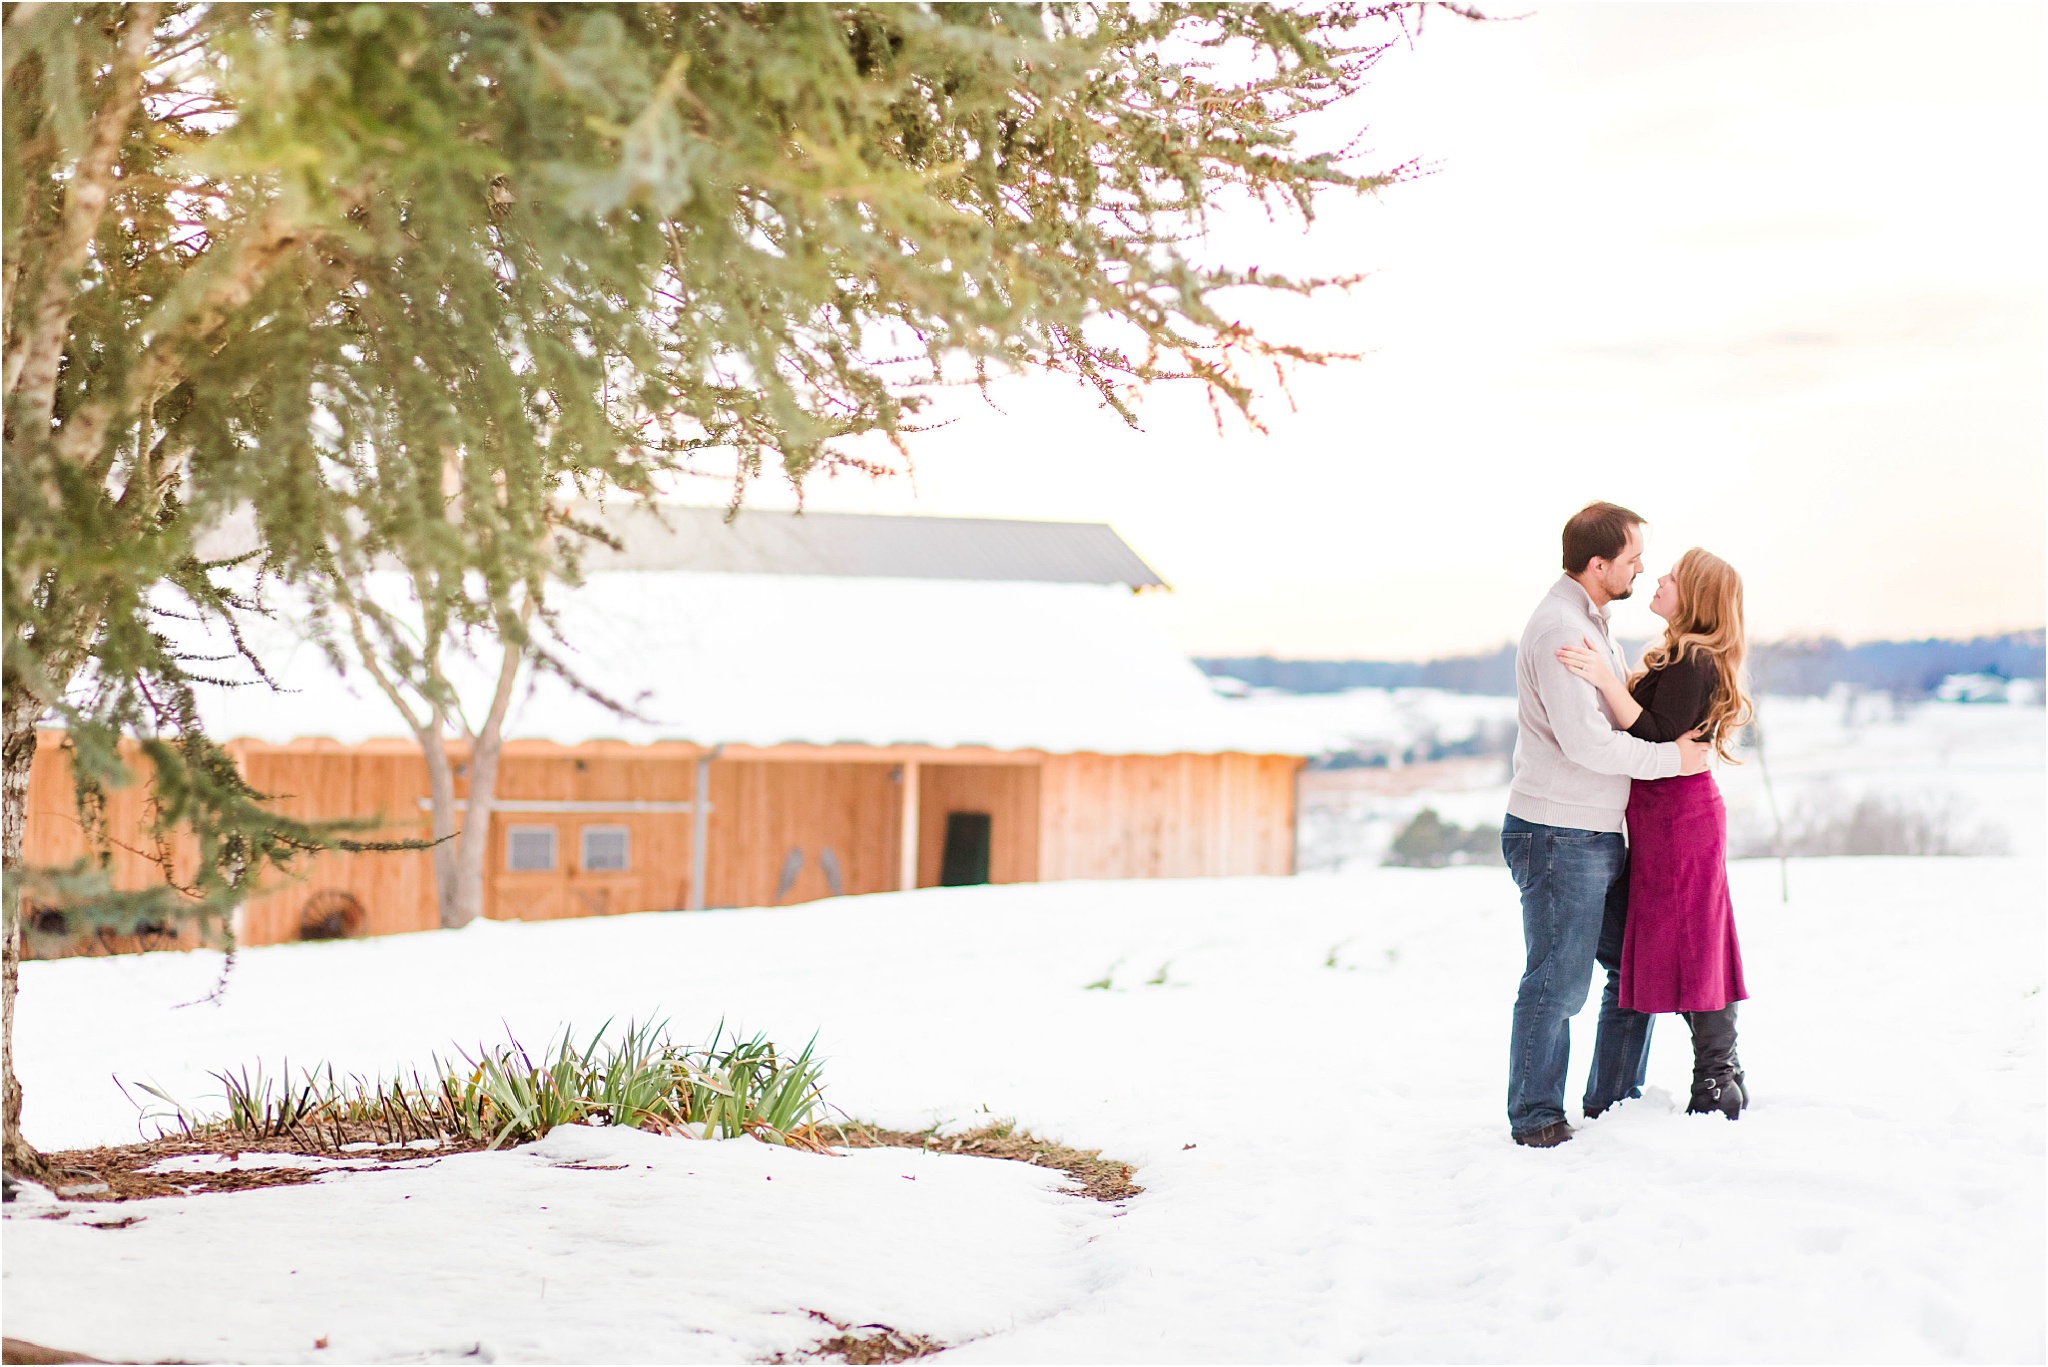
(1549, 1137)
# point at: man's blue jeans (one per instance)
(1574, 909)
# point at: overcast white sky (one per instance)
(1771, 274)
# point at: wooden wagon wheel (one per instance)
(332, 914)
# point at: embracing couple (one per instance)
(1600, 748)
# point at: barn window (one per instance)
(966, 857)
(530, 849)
(605, 849)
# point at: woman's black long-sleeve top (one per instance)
(1675, 698)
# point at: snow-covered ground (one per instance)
(1978, 765)
(1308, 1072)
(1981, 762)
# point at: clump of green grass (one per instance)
(504, 1094)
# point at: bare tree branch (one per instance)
(368, 655)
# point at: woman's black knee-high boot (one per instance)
(1716, 1072)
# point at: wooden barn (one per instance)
(822, 705)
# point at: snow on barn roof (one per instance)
(776, 657)
(865, 545)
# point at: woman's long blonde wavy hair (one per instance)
(1708, 620)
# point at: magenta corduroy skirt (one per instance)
(1680, 952)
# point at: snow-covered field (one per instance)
(1978, 765)
(1981, 762)
(1308, 1072)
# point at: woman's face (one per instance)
(1665, 601)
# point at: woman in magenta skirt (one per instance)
(1679, 951)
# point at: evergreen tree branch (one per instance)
(254, 257)
(392, 278)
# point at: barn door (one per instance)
(978, 823)
(965, 859)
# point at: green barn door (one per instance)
(967, 845)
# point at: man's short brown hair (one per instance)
(1598, 530)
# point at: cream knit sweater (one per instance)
(1572, 766)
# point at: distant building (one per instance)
(1987, 688)
(867, 703)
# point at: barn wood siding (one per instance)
(314, 781)
(1009, 793)
(1166, 816)
(763, 809)
(1055, 817)
(384, 785)
(657, 873)
(55, 839)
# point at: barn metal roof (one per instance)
(675, 537)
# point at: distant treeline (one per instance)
(1905, 669)
(1493, 673)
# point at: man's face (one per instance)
(1618, 576)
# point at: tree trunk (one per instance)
(441, 794)
(21, 711)
(431, 731)
(475, 844)
(484, 749)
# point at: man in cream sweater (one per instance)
(1562, 837)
